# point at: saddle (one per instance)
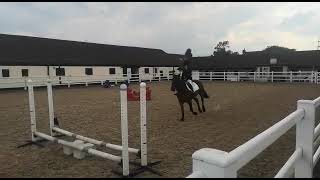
(192, 86)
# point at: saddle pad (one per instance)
(194, 86)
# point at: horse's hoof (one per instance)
(195, 113)
(181, 119)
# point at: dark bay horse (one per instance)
(186, 96)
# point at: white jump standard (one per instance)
(83, 146)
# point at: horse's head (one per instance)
(175, 78)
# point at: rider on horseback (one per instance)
(186, 69)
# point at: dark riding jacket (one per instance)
(186, 73)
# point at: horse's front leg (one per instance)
(182, 110)
(191, 109)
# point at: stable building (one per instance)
(24, 57)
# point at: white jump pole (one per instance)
(54, 130)
(83, 149)
(32, 111)
(93, 141)
(143, 124)
(124, 130)
(50, 106)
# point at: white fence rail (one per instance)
(85, 80)
(291, 76)
(213, 163)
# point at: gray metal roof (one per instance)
(35, 51)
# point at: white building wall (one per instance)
(16, 71)
(74, 74)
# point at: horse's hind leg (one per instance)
(191, 109)
(198, 104)
(202, 101)
(182, 111)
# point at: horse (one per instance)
(186, 96)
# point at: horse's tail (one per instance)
(202, 91)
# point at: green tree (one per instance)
(278, 50)
(222, 49)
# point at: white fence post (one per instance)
(210, 76)
(290, 76)
(25, 83)
(238, 76)
(124, 129)
(68, 78)
(143, 124)
(254, 76)
(304, 140)
(272, 76)
(224, 76)
(206, 164)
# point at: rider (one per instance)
(186, 69)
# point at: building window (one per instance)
(112, 70)
(146, 70)
(48, 70)
(155, 70)
(5, 73)
(60, 72)
(89, 71)
(124, 71)
(25, 72)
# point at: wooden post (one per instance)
(304, 139)
(238, 76)
(254, 76)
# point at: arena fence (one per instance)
(290, 77)
(213, 163)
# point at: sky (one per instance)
(170, 26)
